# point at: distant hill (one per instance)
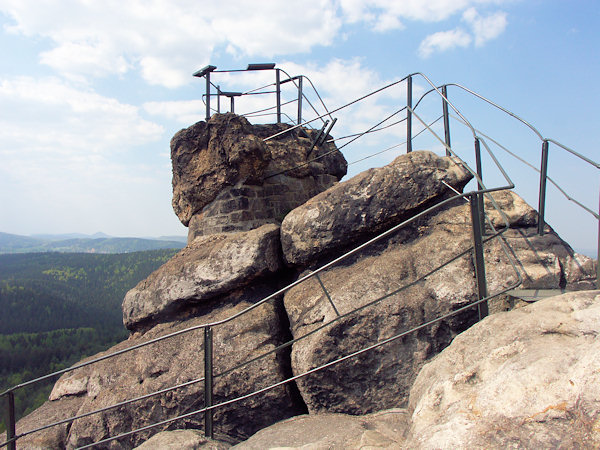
(75, 243)
(56, 308)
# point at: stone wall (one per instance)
(245, 207)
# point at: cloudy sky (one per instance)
(92, 91)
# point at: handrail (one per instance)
(482, 190)
(310, 275)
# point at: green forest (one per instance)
(56, 308)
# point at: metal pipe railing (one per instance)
(475, 200)
(208, 340)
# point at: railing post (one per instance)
(11, 428)
(299, 99)
(542, 197)
(327, 295)
(479, 185)
(446, 118)
(409, 114)
(479, 261)
(207, 95)
(219, 99)
(208, 382)
(278, 93)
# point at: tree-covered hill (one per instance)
(56, 308)
(49, 291)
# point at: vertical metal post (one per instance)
(278, 93)
(208, 382)
(446, 118)
(219, 99)
(232, 105)
(542, 197)
(299, 99)
(409, 114)
(207, 76)
(479, 261)
(11, 429)
(479, 185)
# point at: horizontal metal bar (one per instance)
(108, 408)
(573, 152)
(531, 166)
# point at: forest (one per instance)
(57, 308)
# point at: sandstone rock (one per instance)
(210, 266)
(175, 361)
(210, 155)
(369, 202)
(181, 440)
(333, 431)
(528, 378)
(382, 378)
(228, 153)
(49, 412)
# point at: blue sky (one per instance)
(92, 92)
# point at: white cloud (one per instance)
(485, 28)
(389, 14)
(164, 39)
(49, 113)
(444, 40)
(183, 111)
(66, 158)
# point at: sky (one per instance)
(91, 93)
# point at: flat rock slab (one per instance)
(333, 431)
(182, 440)
(210, 266)
(528, 378)
(368, 203)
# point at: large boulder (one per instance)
(368, 203)
(383, 429)
(408, 272)
(210, 155)
(172, 362)
(208, 267)
(227, 177)
(529, 378)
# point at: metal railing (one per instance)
(297, 81)
(479, 239)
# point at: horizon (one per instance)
(91, 97)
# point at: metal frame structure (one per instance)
(479, 238)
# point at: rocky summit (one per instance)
(264, 213)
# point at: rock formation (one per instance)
(222, 168)
(528, 378)
(227, 178)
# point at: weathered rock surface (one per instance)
(528, 378)
(333, 431)
(227, 178)
(370, 202)
(210, 266)
(181, 440)
(398, 271)
(172, 362)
